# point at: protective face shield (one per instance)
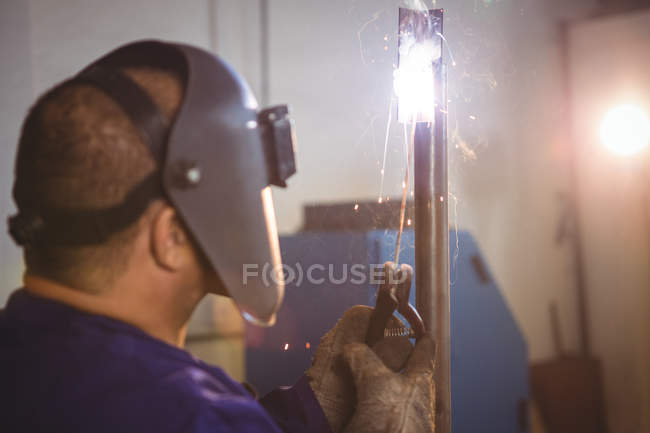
(216, 162)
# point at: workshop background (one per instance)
(551, 208)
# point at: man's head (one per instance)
(154, 124)
(79, 150)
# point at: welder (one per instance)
(142, 184)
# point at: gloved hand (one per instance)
(330, 376)
(388, 401)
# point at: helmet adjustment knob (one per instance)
(186, 174)
(193, 175)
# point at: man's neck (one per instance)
(160, 313)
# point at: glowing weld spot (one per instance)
(413, 81)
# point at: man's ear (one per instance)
(168, 239)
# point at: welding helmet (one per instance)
(216, 163)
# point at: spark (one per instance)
(472, 117)
(383, 164)
(374, 18)
(468, 153)
(307, 345)
(356, 207)
(286, 346)
(451, 55)
(379, 200)
(369, 128)
(408, 222)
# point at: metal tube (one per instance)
(431, 208)
(424, 223)
(432, 243)
(441, 254)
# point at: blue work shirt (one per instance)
(63, 370)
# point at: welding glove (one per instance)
(389, 401)
(330, 377)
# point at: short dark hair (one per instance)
(78, 150)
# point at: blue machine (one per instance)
(489, 362)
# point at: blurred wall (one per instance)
(609, 66)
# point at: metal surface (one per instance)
(432, 236)
(423, 197)
(441, 257)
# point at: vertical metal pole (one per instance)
(431, 222)
(424, 224)
(432, 243)
(441, 255)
